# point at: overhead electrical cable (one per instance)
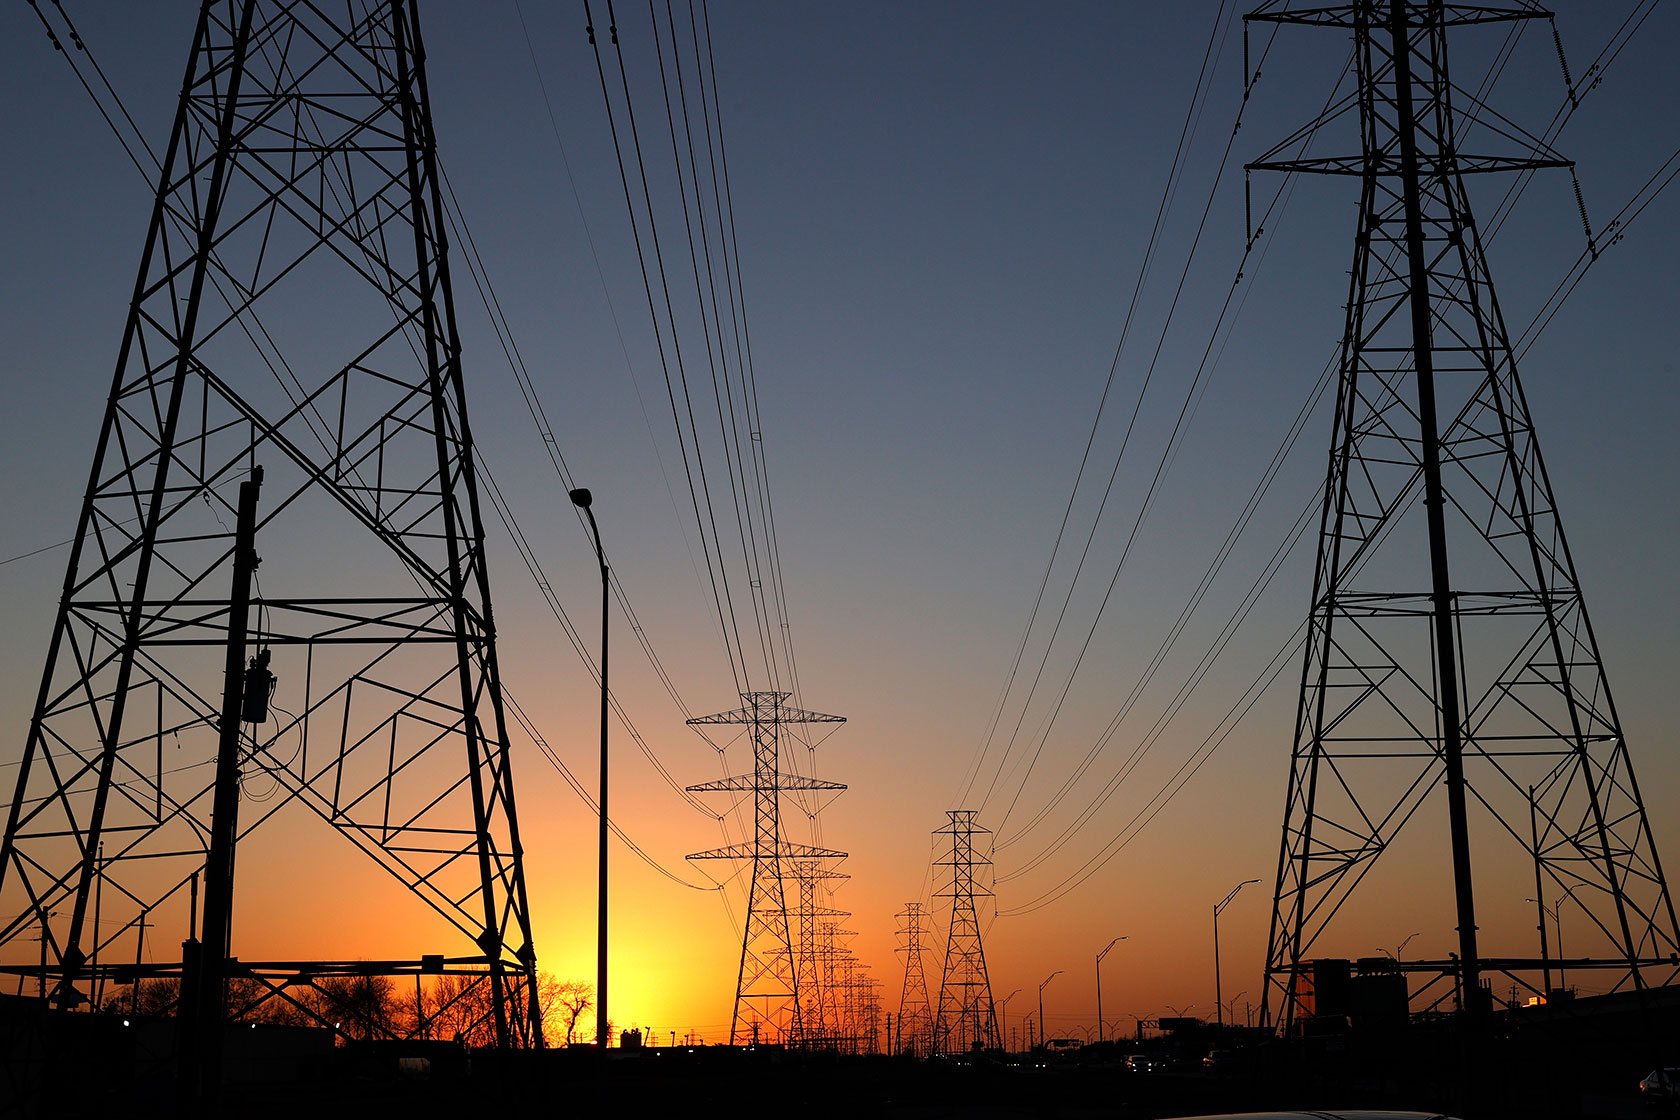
(1168, 193)
(623, 346)
(138, 141)
(1501, 212)
(1160, 469)
(1279, 199)
(728, 429)
(727, 628)
(1665, 176)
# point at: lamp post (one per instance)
(1394, 956)
(1043, 1033)
(582, 499)
(1100, 956)
(1556, 911)
(1003, 1029)
(1219, 1008)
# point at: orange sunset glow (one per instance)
(1171, 503)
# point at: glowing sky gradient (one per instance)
(942, 210)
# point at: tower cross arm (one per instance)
(747, 783)
(1342, 15)
(783, 850)
(765, 707)
(1462, 164)
(778, 715)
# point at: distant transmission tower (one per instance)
(915, 1016)
(831, 965)
(767, 1000)
(967, 1018)
(810, 874)
(1449, 645)
(292, 338)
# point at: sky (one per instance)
(942, 211)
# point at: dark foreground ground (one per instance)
(1586, 1063)
(657, 1085)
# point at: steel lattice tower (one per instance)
(810, 875)
(767, 985)
(831, 964)
(915, 1016)
(967, 1017)
(1481, 676)
(300, 184)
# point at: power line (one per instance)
(1168, 193)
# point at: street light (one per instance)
(1556, 911)
(1394, 956)
(1003, 1030)
(1100, 956)
(1219, 1008)
(582, 498)
(1043, 1036)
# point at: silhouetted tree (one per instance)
(157, 998)
(459, 1008)
(571, 999)
(359, 1007)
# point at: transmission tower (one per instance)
(915, 1016)
(831, 966)
(810, 875)
(767, 985)
(1480, 676)
(967, 1018)
(292, 328)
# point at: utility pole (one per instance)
(244, 690)
(139, 953)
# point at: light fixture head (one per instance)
(580, 497)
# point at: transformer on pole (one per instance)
(966, 1018)
(767, 994)
(293, 306)
(1449, 646)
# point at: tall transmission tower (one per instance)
(767, 986)
(1449, 647)
(967, 1017)
(292, 329)
(915, 1016)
